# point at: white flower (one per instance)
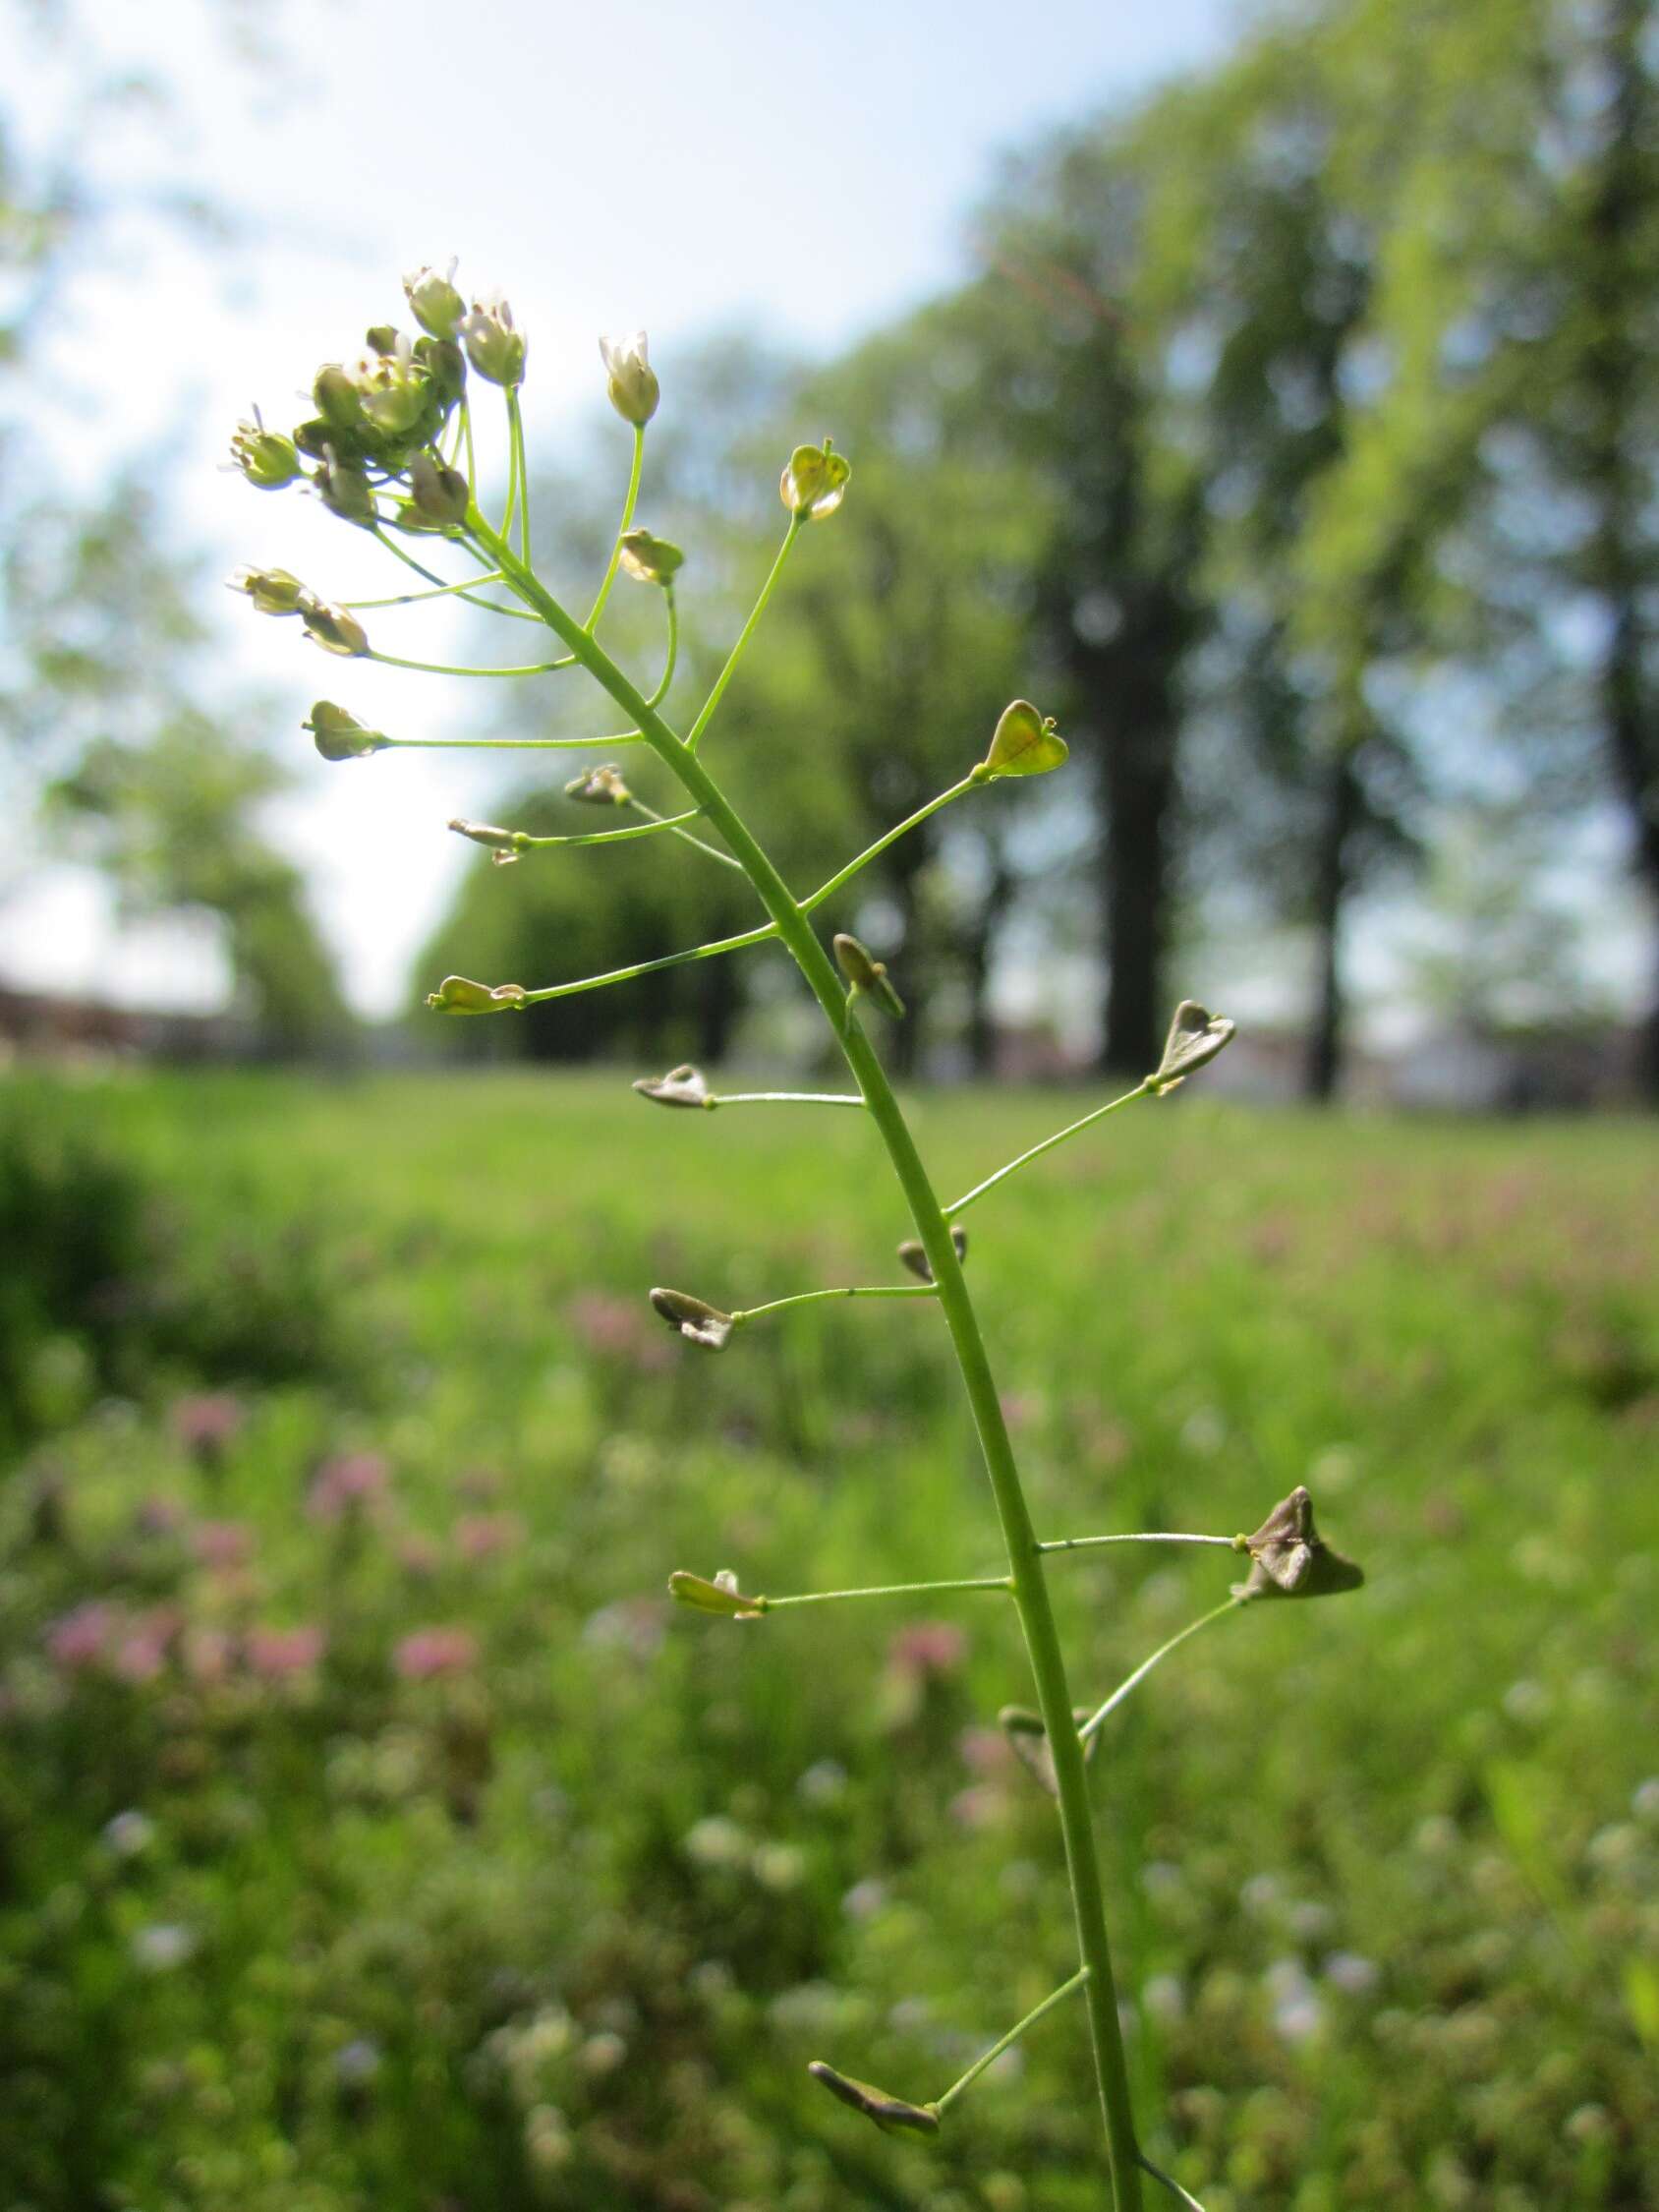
(632, 381)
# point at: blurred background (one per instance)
(1269, 394)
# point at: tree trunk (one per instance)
(1138, 770)
(1322, 1066)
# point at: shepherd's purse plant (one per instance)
(391, 450)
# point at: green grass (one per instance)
(563, 1927)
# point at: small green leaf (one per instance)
(1025, 743)
(891, 2114)
(458, 994)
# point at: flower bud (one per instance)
(441, 494)
(694, 1319)
(493, 347)
(335, 628)
(599, 787)
(434, 300)
(813, 482)
(867, 974)
(648, 559)
(721, 1595)
(447, 365)
(1291, 1559)
(346, 490)
(340, 736)
(273, 591)
(913, 1252)
(680, 1086)
(381, 337)
(632, 381)
(1195, 1037)
(267, 458)
(338, 400)
(457, 994)
(396, 391)
(890, 2114)
(1024, 743)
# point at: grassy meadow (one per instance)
(374, 1832)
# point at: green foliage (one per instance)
(552, 1909)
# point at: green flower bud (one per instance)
(447, 365)
(441, 495)
(599, 787)
(913, 1252)
(272, 590)
(1291, 1559)
(1024, 743)
(456, 994)
(721, 1595)
(267, 458)
(632, 381)
(692, 1318)
(335, 628)
(1195, 1037)
(680, 1086)
(381, 337)
(434, 300)
(648, 559)
(867, 974)
(892, 2114)
(814, 481)
(340, 736)
(395, 390)
(345, 490)
(338, 400)
(493, 347)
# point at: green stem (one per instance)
(521, 467)
(622, 529)
(706, 952)
(1154, 1536)
(1173, 2186)
(1031, 1591)
(464, 590)
(786, 1098)
(846, 874)
(661, 692)
(1092, 1723)
(512, 745)
(961, 1206)
(1006, 2042)
(713, 851)
(526, 843)
(887, 1590)
(443, 667)
(694, 735)
(849, 1290)
(471, 457)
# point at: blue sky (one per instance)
(810, 169)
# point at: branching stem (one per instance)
(694, 735)
(622, 528)
(848, 1290)
(1003, 1583)
(1072, 1129)
(1140, 1536)
(1130, 1681)
(1006, 2042)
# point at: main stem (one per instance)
(1025, 1557)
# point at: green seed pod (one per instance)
(1291, 1559)
(335, 628)
(1024, 743)
(913, 1252)
(340, 736)
(338, 400)
(273, 591)
(648, 559)
(447, 365)
(721, 1595)
(680, 1086)
(694, 1319)
(345, 490)
(458, 994)
(630, 381)
(813, 482)
(1028, 1740)
(504, 843)
(892, 2114)
(1195, 1037)
(867, 974)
